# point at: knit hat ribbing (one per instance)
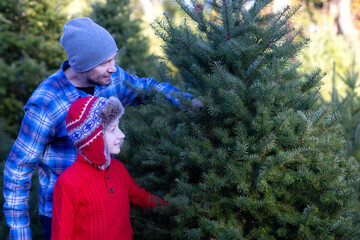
(86, 44)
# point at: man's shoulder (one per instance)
(50, 85)
(49, 90)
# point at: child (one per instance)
(92, 197)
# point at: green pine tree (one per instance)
(117, 17)
(264, 158)
(29, 52)
(349, 107)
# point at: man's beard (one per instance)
(97, 79)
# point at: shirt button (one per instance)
(111, 190)
(108, 177)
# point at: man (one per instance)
(42, 141)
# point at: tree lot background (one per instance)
(30, 51)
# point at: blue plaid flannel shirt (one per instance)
(43, 142)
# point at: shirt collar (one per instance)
(70, 90)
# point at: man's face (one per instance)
(101, 74)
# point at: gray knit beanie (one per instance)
(86, 44)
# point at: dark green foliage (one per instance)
(29, 51)
(264, 158)
(133, 56)
(349, 108)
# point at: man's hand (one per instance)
(197, 103)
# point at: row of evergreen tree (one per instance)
(265, 157)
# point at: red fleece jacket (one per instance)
(95, 204)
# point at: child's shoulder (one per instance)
(117, 163)
(71, 174)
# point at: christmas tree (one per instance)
(264, 158)
(29, 52)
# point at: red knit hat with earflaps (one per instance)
(84, 128)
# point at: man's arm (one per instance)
(129, 92)
(20, 165)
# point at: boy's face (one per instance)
(114, 137)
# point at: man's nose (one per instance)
(112, 68)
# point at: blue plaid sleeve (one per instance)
(21, 233)
(23, 159)
(128, 94)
